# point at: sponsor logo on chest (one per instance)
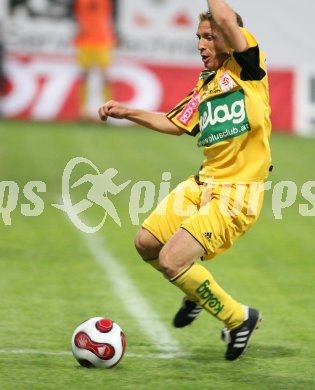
(214, 114)
(222, 117)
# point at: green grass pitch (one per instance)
(50, 282)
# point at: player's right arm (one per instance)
(225, 18)
(157, 121)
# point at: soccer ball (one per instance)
(98, 342)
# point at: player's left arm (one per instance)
(225, 18)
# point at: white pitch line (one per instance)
(134, 303)
(68, 353)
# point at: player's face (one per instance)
(211, 45)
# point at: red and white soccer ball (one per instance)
(98, 342)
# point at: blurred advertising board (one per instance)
(156, 62)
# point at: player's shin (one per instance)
(199, 285)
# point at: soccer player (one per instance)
(94, 45)
(229, 110)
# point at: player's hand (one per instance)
(112, 109)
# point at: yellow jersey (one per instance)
(230, 111)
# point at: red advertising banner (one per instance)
(46, 88)
(157, 61)
(281, 85)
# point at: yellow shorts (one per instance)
(215, 214)
(99, 56)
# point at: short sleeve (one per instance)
(185, 114)
(251, 60)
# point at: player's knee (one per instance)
(140, 244)
(147, 245)
(168, 265)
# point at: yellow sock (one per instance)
(199, 285)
